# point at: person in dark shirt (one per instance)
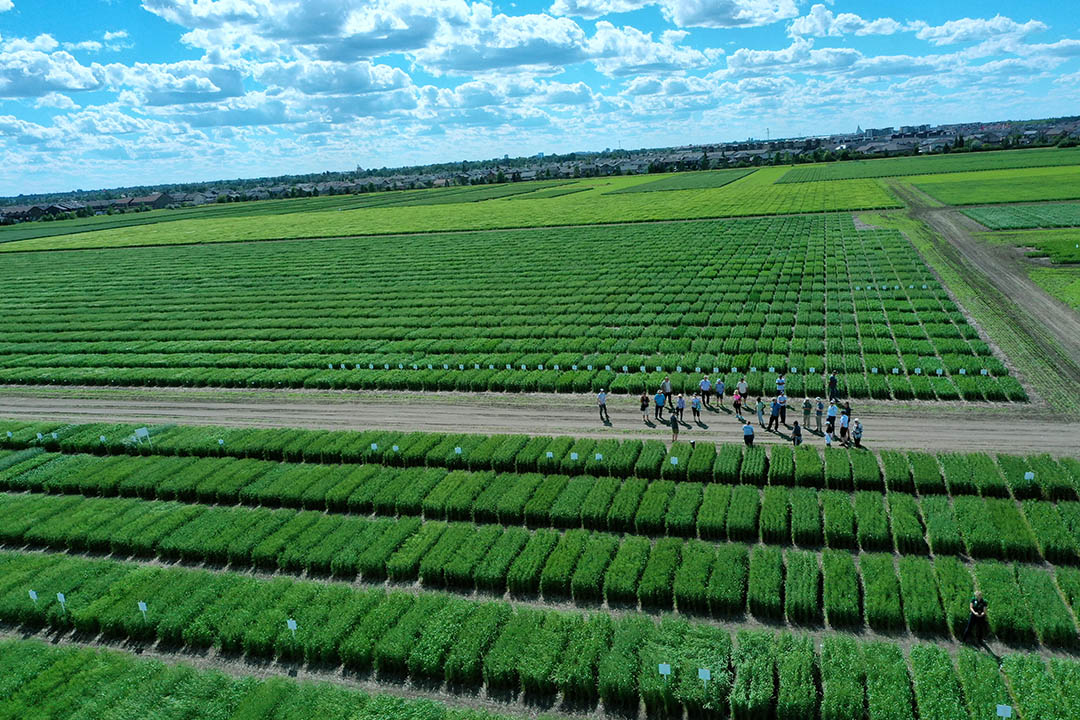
(833, 387)
(977, 619)
(674, 426)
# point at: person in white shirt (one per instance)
(781, 383)
(830, 418)
(665, 387)
(844, 420)
(601, 401)
(706, 390)
(742, 387)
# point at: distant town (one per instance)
(859, 144)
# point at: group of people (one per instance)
(838, 420)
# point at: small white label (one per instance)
(858, 287)
(33, 595)
(141, 433)
(589, 367)
(291, 624)
(896, 371)
(923, 287)
(697, 369)
(1004, 711)
(918, 371)
(491, 367)
(659, 369)
(573, 367)
(400, 366)
(811, 371)
(220, 441)
(794, 369)
(704, 674)
(330, 366)
(734, 369)
(678, 368)
(983, 372)
(457, 451)
(939, 372)
(9, 434)
(642, 368)
(606, 367)
(40, 437)
(445, 366)
(963, 371)
(1029, 475)
(53, 436)
(395, 448)
(715, 370)
(772, 368)
(100, 439)
(674, 461)
(665, 669)
(460, 366)
(371, 366)
(625, 369)
(508, 366)
(60, 597)
(753, 368)
(573, 456)
(550, 454)
(476, 366)
(599, 457)
(374, 446)
(873, 370)
(142, 607)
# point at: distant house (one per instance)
(63, 207)
(153, 200)
(22, 212)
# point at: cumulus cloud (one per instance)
(822, 22)
(28, 70)
(6, 5)
(56, 100)
(689, 13)
(629, 51)
(968, 30)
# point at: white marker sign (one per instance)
(1004, 711)
(674, 461)
(62, 600)
(1029, 475)
(33, 596)
(573, 456)
(599, 457)
(665, 669)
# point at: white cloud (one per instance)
(41, 43)
(596, 8)
(27, 72)
(6, 5)
(56, 100)
(628, 51)
(111, 35)
(821, 22)
(188, 81)
(689, 13)
(975, 30)
(85, 45)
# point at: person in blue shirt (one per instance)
(601, 402)
(748, 433)
(706, 389)
(658, 403)
(782, 402)
(695, 407)
(774, 416)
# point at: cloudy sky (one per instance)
(99, 93)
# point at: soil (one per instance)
(928, 426)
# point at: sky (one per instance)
(105, 93)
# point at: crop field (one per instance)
(754, 194)
(552, 311)
(1061, 282)
(1002, 186)
(1027, 216)
(688, 181)
(405, 558)
(932, 164)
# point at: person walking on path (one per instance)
(819, 405)
(658, 401)
(720, 392)
(644, 406)
(830, 418)
(844, 422)
(736, 402)
(674, 427)
(782, 401)
(834, 385)
(601, 402)
(742, 387)
(761, 412)
(796, 434)
(680, 406)
(706, 389)
(807, 406)
(781, 383)
(856, 433)
(695, 408)
(748, 433)
(665, 387)
(774, 416)
(977, 619)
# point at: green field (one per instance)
(408, 549)
(754, 194)
(688, 181)
(1059, 246)
(1027, 216)
(1002, 186)
(932, 164)
(1061, 282)
(558, 310)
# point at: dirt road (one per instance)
(971, 427)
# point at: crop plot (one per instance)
(1027, 216)
(1002, 186)
(546, 310)
(689, 181)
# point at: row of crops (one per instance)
(695, 577)
(474, 312)
(955, 474)
(991, 527)
(544, 655)
(1027, 216)
(687, 181)
(963, 162)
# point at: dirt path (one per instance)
(971, 427)
(1052, 326)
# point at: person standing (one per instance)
(644, 406)
(665, 387)
(781, 383)
(601, 402)
(761, 412)
(844, 421)
(977, 619)
(706, 389)
(695, 408)
(819, 410)
(680, 406)
(742, 387)
(720, 392)
(807, 406)
(658, 402)
(834, 385)
(736, 402)
(674, 427)
(781, 400)
(796, 434)
(856, 433)
(828, 437)
(830, 418)
(774, 416)
(748, 433)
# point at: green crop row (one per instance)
(540, 653)
(694, 576)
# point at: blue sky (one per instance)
(100, 93)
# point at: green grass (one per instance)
(1013, 217)
(1061, 246)
(1062, 283)
(1003, 186)
(932, 164)
(754, 194)
(689, 181)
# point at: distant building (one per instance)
(156, 201)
